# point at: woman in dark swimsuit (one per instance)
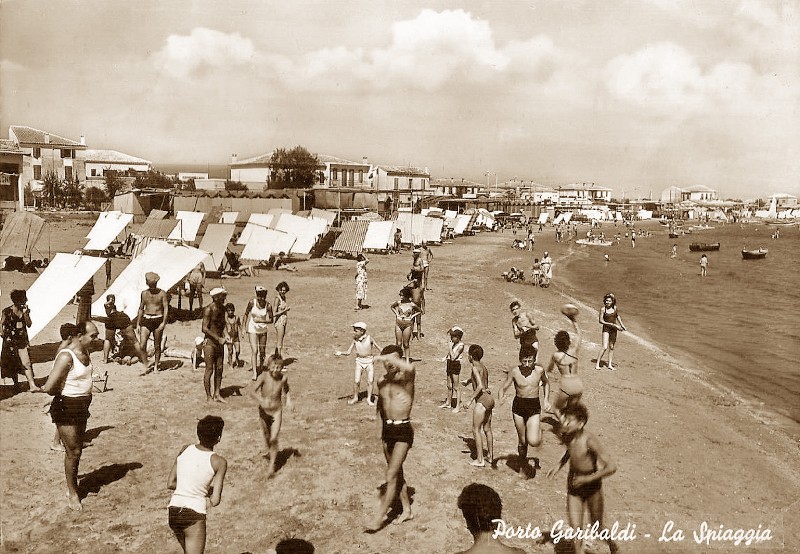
(611, 322)
(405, 311)
(14, 323)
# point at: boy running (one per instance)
(395, 399)
(525, 330)
(526, 408)
(271, 390)
(363, 343)
(588, 466)
(484, 404)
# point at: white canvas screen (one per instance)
(379, 235)
(412, 227)
(228, 217)
(107, 227)
(58, 283)
(255, 221)
(567, 217)
(264, 243)
(307, 231)
(433, 229)
(327, 215)
(542, 218)
(187, 227)
(215, 242)
(172, 262)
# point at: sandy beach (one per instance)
(685, 454)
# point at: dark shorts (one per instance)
(526, 407)
(584, 491)
(486, 400)
(151, 323)
(417, 274)
(453, 367)
(393, 434)
(268, 418)
(70, 410)
(181, 518)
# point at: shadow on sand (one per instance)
(91, 483)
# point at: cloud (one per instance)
(425, 53)
(202, 49)
(759, 12)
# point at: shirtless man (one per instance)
(271, 390)
(214, 345)
(526, 409)
(417, 265)
(525, 330)
(152, 318)
(395, 398)
(427, 258)
(570, 386)
(418, 298)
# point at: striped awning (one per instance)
(351, 239)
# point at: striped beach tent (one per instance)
(351, 239)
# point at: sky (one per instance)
(636, 95)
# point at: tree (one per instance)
(29, 198)
(72, 194)
(234, 185)
(293, 169)
(51, 189)
(154, 179)
(93, 197)
(112, 183)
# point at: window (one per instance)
(334, 174)
(396, 183)
(66, 153)
(37, 152)
(360, 175)
(37, 172)
(410, 182)
(68, 173)
(352, 176)
(94, 173)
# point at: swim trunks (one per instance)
(486, 399)
(397, 432)
(70, 410)
(268, 418)
(526, 407)
(571, 385)
(180, 518)
(151, 323)
(364, 363)
(583, 491)
(453, 367)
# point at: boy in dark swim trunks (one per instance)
(152, 318)
(453, 369)
(588, 466)
(484, 405)
(395, 398)
(272, 392)
(526, 409)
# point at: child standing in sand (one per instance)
(484, 405)
(233, 326)
(197, 477)
(280, 309)
(703, 265)
(271, 390)
(588, 466)
(453, 368)
(363, 343)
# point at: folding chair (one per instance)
(100, 382)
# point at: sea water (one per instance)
(739, 327)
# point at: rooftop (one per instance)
(29, 136)
(111, 156)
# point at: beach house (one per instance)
(96, 163)
(400, 184)
(698, 193)
(45, 152)
(582, 194)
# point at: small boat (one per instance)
(594, 242)
(754, 254)
(703, 247)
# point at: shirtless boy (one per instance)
(153, 312)
(588, 466)
(213, 348)
(526, 409)
(482, 507)
(525, 330)
(570, 386)
(418, 297)
(484, 405)
(453, 368)
(271, 390)
(233, 332)
(395, 399)
(363, 343)
(119, 321)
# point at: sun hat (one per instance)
(259, 288)
(198, 341)
(360, 325)
(150, 277)
(455, 329)
(217, 290)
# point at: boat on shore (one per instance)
(594, 242)
(704, 247)
(757, 254)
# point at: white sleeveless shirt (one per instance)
(194, 479)
(79, 378)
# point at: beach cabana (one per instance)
(172, 262)
(21, 232)
(412, 227)
(106, 229)
(353, 236)
(542, 218)
(461, 222)
(432, 230)
(264, 243)
(215, 242)
(228, 217)
(187, 226)
(379, 235)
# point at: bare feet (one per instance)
(220, 400)
(478, 463)
(456, 409)
(611, 368)
(405, 516)
(371, 402)
(57, 448)
(74, 503)
(375, 524)
(445, 404)
(352, 401)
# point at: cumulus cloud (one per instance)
(202, 49)
(759, 12)
(424, 53)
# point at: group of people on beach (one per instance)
(198, 474)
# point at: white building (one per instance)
(403, 184)
(98, 162)
(583, 193)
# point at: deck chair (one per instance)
(100, 382)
